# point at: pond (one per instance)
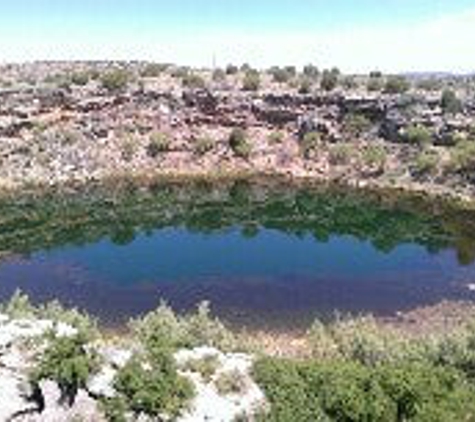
(265, 254)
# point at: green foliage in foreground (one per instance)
(20, 306)
(69, 363)
(163, 327)
(350, 391)
(150, 385)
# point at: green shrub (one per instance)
(81, 321)
(202, 329)
(462, 156)
(305, 86)
(321, 342)
(231, 69)
(374, 84)
(355, 124)
(450, 103)
(206, 366)
(427, 162)
(159, 142)
(203, 145)
(152, 386)
(180, 72)
(251, 81)
(19, 306)
(239, 143)
(340, 154)
(275, 137)
(69, 363)
(115, 80)
(374, 155)
(219, 75)
(231, 382)
(310, 71)
(396, 85)
(162, 328)
(153, 70)
(329, 80)
(350, 391)
(193, 81)
(281, 75)
(80, 78)
(429, 84)
(309, 143)
(418, 135)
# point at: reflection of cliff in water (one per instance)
(32, 223)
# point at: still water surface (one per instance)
(265, 256)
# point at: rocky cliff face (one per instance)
(54, 132)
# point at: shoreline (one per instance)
(417, 190)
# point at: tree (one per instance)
(115, 80)
(251, 81)
(396, 85)
(450, 103)
(310, 71)
(239, 143)
(329, 79)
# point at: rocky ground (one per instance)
(23, 339)
(89, 121)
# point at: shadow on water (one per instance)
(264, 253)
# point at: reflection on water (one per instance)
(264, 254)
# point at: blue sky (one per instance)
(393, 35)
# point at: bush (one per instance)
(239, 143)
(69, 363)
(430, 84)
(231, 69)
(305, 86)
(160, 325)
(203, 145)
(396, 85)
(374, 84)
(349, 391)
(219, 75)
(162, 328)
(251, 81)
(374, 155)
(340, 154)
(450, 103)
(311, 71)
(206, 366)
(281, 75)
(309, 143)
(153, 70)
(231, 382)
(115, 80)
(418, 135)
(275, 137)
(159, 142)
(152, 386)
(80, 78)
(193, 81)
(202, 329)
(355, 124)
(19, 306)
(375, 74)
(462, 156)
(329, 80)
(426, 162)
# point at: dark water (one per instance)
(265, 255)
